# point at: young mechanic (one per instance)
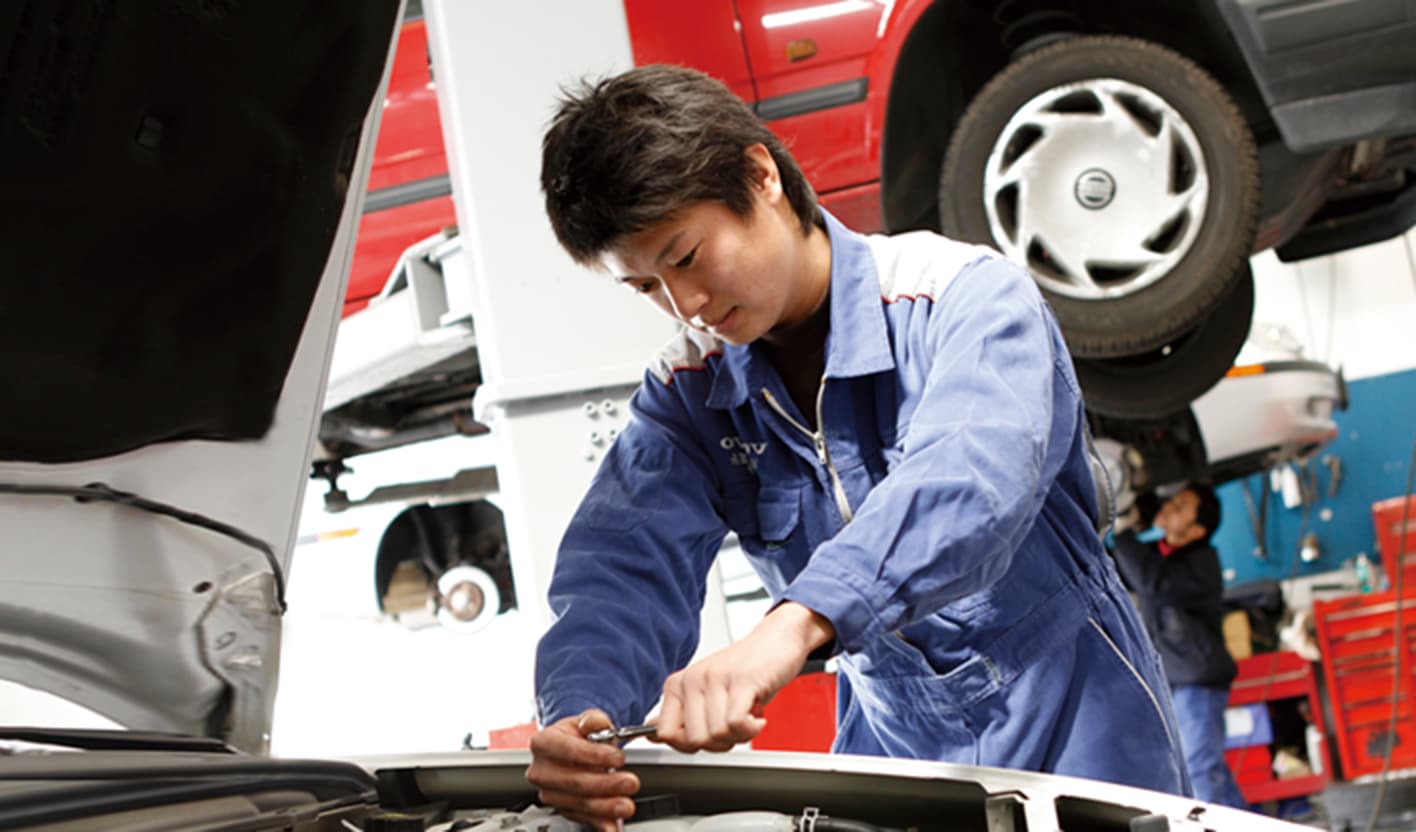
(1179, 587)
(892, 428)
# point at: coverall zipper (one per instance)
(818, 438)
(1139, 679)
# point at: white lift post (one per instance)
(561, 349)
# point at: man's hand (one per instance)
(712, 704)
(579, 777)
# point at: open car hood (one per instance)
(182, 185)
(487, 792)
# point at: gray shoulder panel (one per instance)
(688, 350)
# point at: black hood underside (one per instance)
(174, 173)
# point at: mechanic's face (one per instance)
(1177, 518)
(736, 277)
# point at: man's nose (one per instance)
(686, 296)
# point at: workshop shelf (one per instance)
(1276, 680)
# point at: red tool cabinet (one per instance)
(1395, 546)
(1357, 636)
(802, 716)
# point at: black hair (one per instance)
(1207, 511)
(626, 152)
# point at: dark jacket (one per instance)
(1180, 597)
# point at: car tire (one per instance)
(440, 539)
(1164, 381)
(1121, 174)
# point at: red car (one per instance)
(1132, 158)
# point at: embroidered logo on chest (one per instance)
(742, 453)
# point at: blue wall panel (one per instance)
(1374, 443)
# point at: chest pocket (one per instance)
(778, 515)
(770, 521)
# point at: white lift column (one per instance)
(561, 350)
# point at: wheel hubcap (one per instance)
(1099, 187)
(467, 598)
(1095, 189)
(465, 602)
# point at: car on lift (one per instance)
(1133, 157)
(1273, 407)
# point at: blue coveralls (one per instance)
(944, 525)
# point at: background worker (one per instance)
(1179, 588)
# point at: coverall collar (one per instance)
(858, 343)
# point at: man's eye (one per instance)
(687, 260)
(644, 287)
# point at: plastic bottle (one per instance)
(1313, 739)
(1363, 567)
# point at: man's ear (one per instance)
(765, 174)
